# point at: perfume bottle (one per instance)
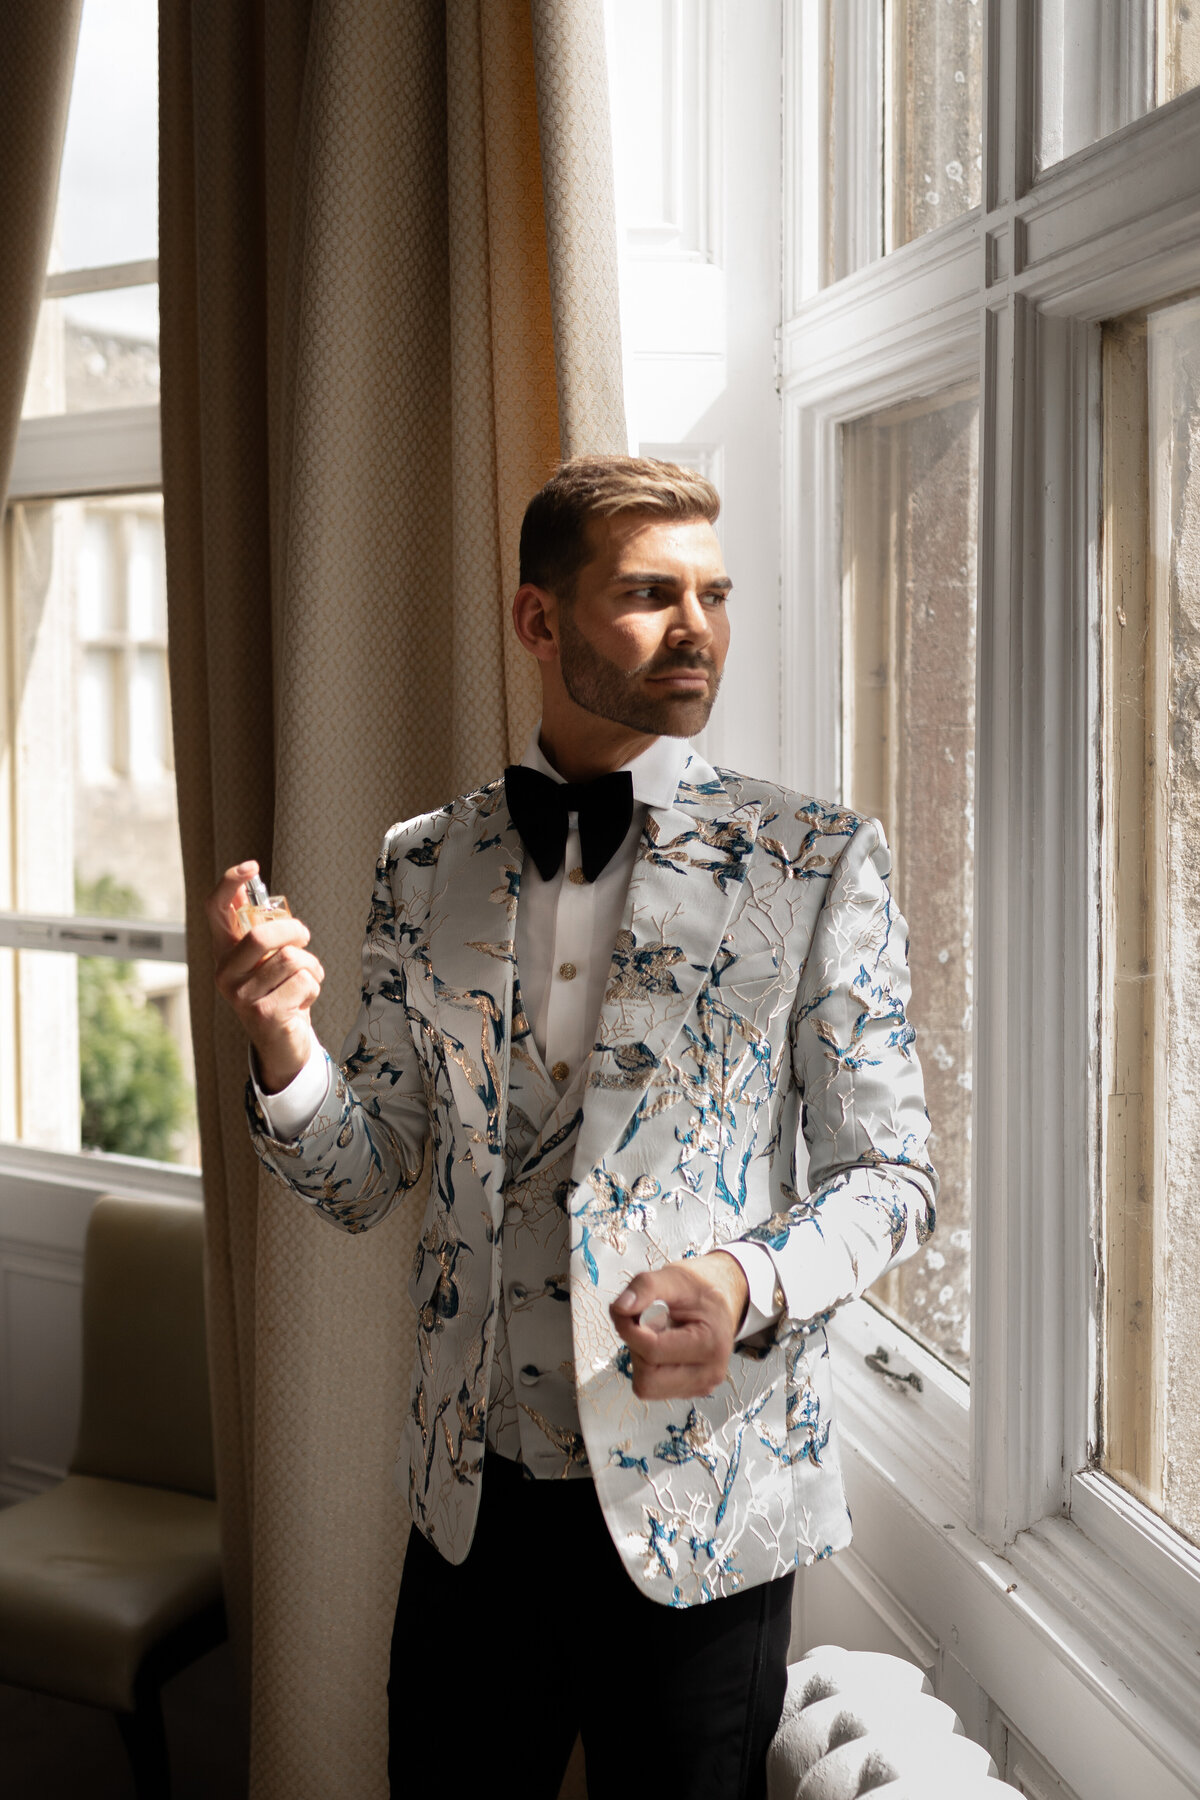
(261, 906)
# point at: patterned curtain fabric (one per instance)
(389, 303)
(36, 67)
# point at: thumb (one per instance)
(635, 1296)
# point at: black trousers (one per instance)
(539, 1635)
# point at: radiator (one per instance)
(856, 1723)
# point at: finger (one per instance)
(225, 898)
(637, 1296)
(677, 1283)
(690, 1342)
(282, 1004)
(269, 976)
(258, 945)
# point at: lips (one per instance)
(687, 680)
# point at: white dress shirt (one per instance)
(564, 936)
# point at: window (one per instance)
(991, 432)
(1150, 1438)
(1104, 63)
(909, 508)
(93, 983)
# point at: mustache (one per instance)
(675, 665)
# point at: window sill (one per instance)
(921, 1433)
(1092, 1653)
(27, 1172)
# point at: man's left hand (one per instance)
(689, 1356)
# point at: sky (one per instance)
(108, 187)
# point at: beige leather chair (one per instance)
(111, 1582)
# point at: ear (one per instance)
(535, 617)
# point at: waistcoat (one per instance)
(532, 1415)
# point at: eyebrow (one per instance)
(656, 578)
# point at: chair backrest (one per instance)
(145, 1414)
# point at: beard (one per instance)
(602, 687)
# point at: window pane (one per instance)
(148, 720)
(1177, 48)
(93, 719)
(909, 505)
(92, 753)
(95, 583)
(934, 120)
(108, 186)
(1151, 1117)
(1101, 66)
(147, 590)
(99, 679)
(95, 351)
(120, 1040)
(136, 1089)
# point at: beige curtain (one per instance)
(36, 67)
(389, 303)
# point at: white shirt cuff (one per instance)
(765, 1303)
(294, 1107)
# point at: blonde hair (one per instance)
(554, 534)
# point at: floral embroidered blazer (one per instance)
(753, 1077)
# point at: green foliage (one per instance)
(106, 898)
(133, 1093)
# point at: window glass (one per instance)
(933, 142)
(909, 507)
(1151, 776)
(92, 741)
(108, 184)
(95, 351)
(1103, 64)
(136, 1089)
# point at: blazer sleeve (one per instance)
(871, 1187)
(365, 1147)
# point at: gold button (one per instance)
(560, 1071)
(577, 876)
(568, 971)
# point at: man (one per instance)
(609, 1012)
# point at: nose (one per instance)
(691, 623)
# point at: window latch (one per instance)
(879, 1363)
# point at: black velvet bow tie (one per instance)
(539, 808)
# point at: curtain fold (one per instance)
(35, 93)
(388, 274)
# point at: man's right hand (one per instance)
(268, 977)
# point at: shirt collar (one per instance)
(656, 773)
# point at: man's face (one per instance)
(645, 638)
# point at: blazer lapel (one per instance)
(468, 969)
(692, 861)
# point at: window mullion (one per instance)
(1033, 1128)
(1009, 107)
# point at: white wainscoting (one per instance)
(39, 1406)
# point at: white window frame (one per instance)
(998, 1535)
(75, 455)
